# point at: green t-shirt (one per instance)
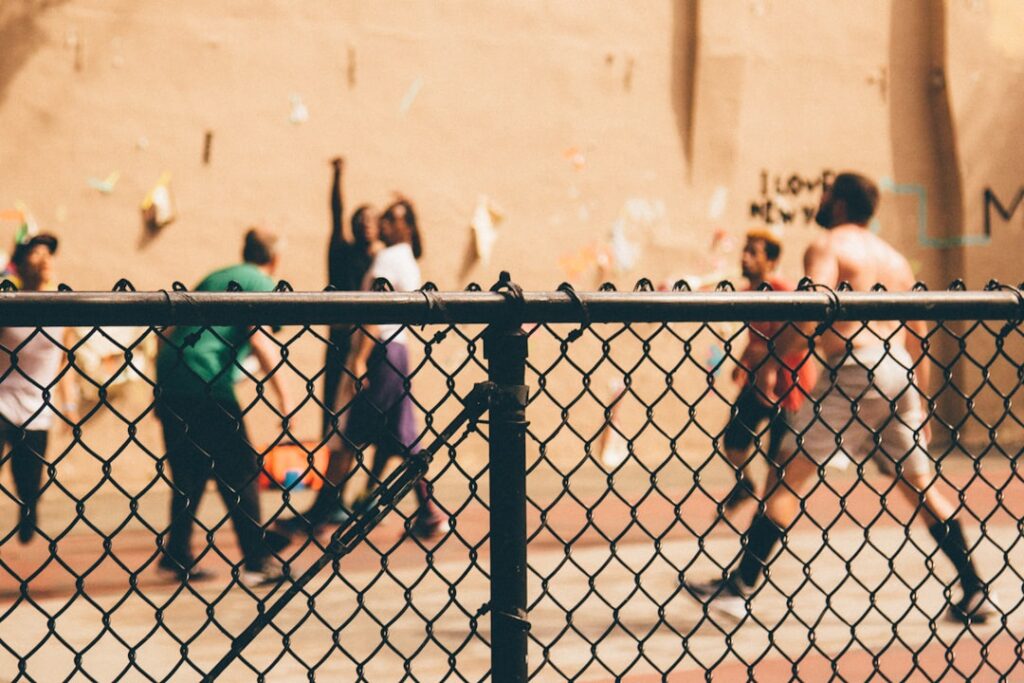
(202, 359)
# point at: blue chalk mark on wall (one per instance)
(923, 238)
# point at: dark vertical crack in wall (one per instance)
(924, 145)
(685, 55)
(924, 150)
(20, 36)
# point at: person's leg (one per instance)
(787, 485)
(340, 343)
(402, 432)
(902, 452)
(915, 481)
(27, 455)
(378, 464)
(808, 442)
(937, 513)
(739, 434)
(364, 422)
(190, 469)
(781, 508)
(329, 498)
(236, 473)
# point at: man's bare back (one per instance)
(853, 254)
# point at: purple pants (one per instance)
(382, 414)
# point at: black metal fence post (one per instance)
(505, 348)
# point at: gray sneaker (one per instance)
(974, 608)
(270, 574)
(723, 597)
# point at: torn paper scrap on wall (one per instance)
(716, 207)
(626, 253)
(483, 234)
(107, 185)
(410, 96)
(576, 157)
(299, 111)
(486, 218)
(158, 208)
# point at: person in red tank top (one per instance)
(771, 387)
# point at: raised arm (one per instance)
(337, 203)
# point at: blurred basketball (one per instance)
(293, 465)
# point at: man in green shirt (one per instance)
(204, 430)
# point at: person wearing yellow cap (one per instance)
(771, 387)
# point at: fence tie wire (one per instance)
(644, 284)
(434, 303)
(997, 286)
(512, 292)
(831, 309)
(570, 291)
(381, 284)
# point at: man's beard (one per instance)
(824, 216)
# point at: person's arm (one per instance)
(337, 203)
(748, 362)
(917, 330)
(365, 341)
(759, 370)
(69, 388)
(267, 355)
(822, 267)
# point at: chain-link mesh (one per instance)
(657, 445)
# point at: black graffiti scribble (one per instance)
(992, 202)
(803, 190)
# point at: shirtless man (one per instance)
(884, 420)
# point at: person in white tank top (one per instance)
(31, 360)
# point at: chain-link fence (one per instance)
(544, 485)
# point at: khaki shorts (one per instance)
(866, 406)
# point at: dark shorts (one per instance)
(382, 414)
(747, 425)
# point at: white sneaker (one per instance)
(974, 608)
(723, 597)
(271, 574)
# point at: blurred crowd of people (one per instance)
(867, 406)
(367, 407)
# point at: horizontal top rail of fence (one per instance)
(430, 306)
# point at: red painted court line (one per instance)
(996, 660)
(83, 551)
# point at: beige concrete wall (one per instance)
(684, 118)
(666, 101)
